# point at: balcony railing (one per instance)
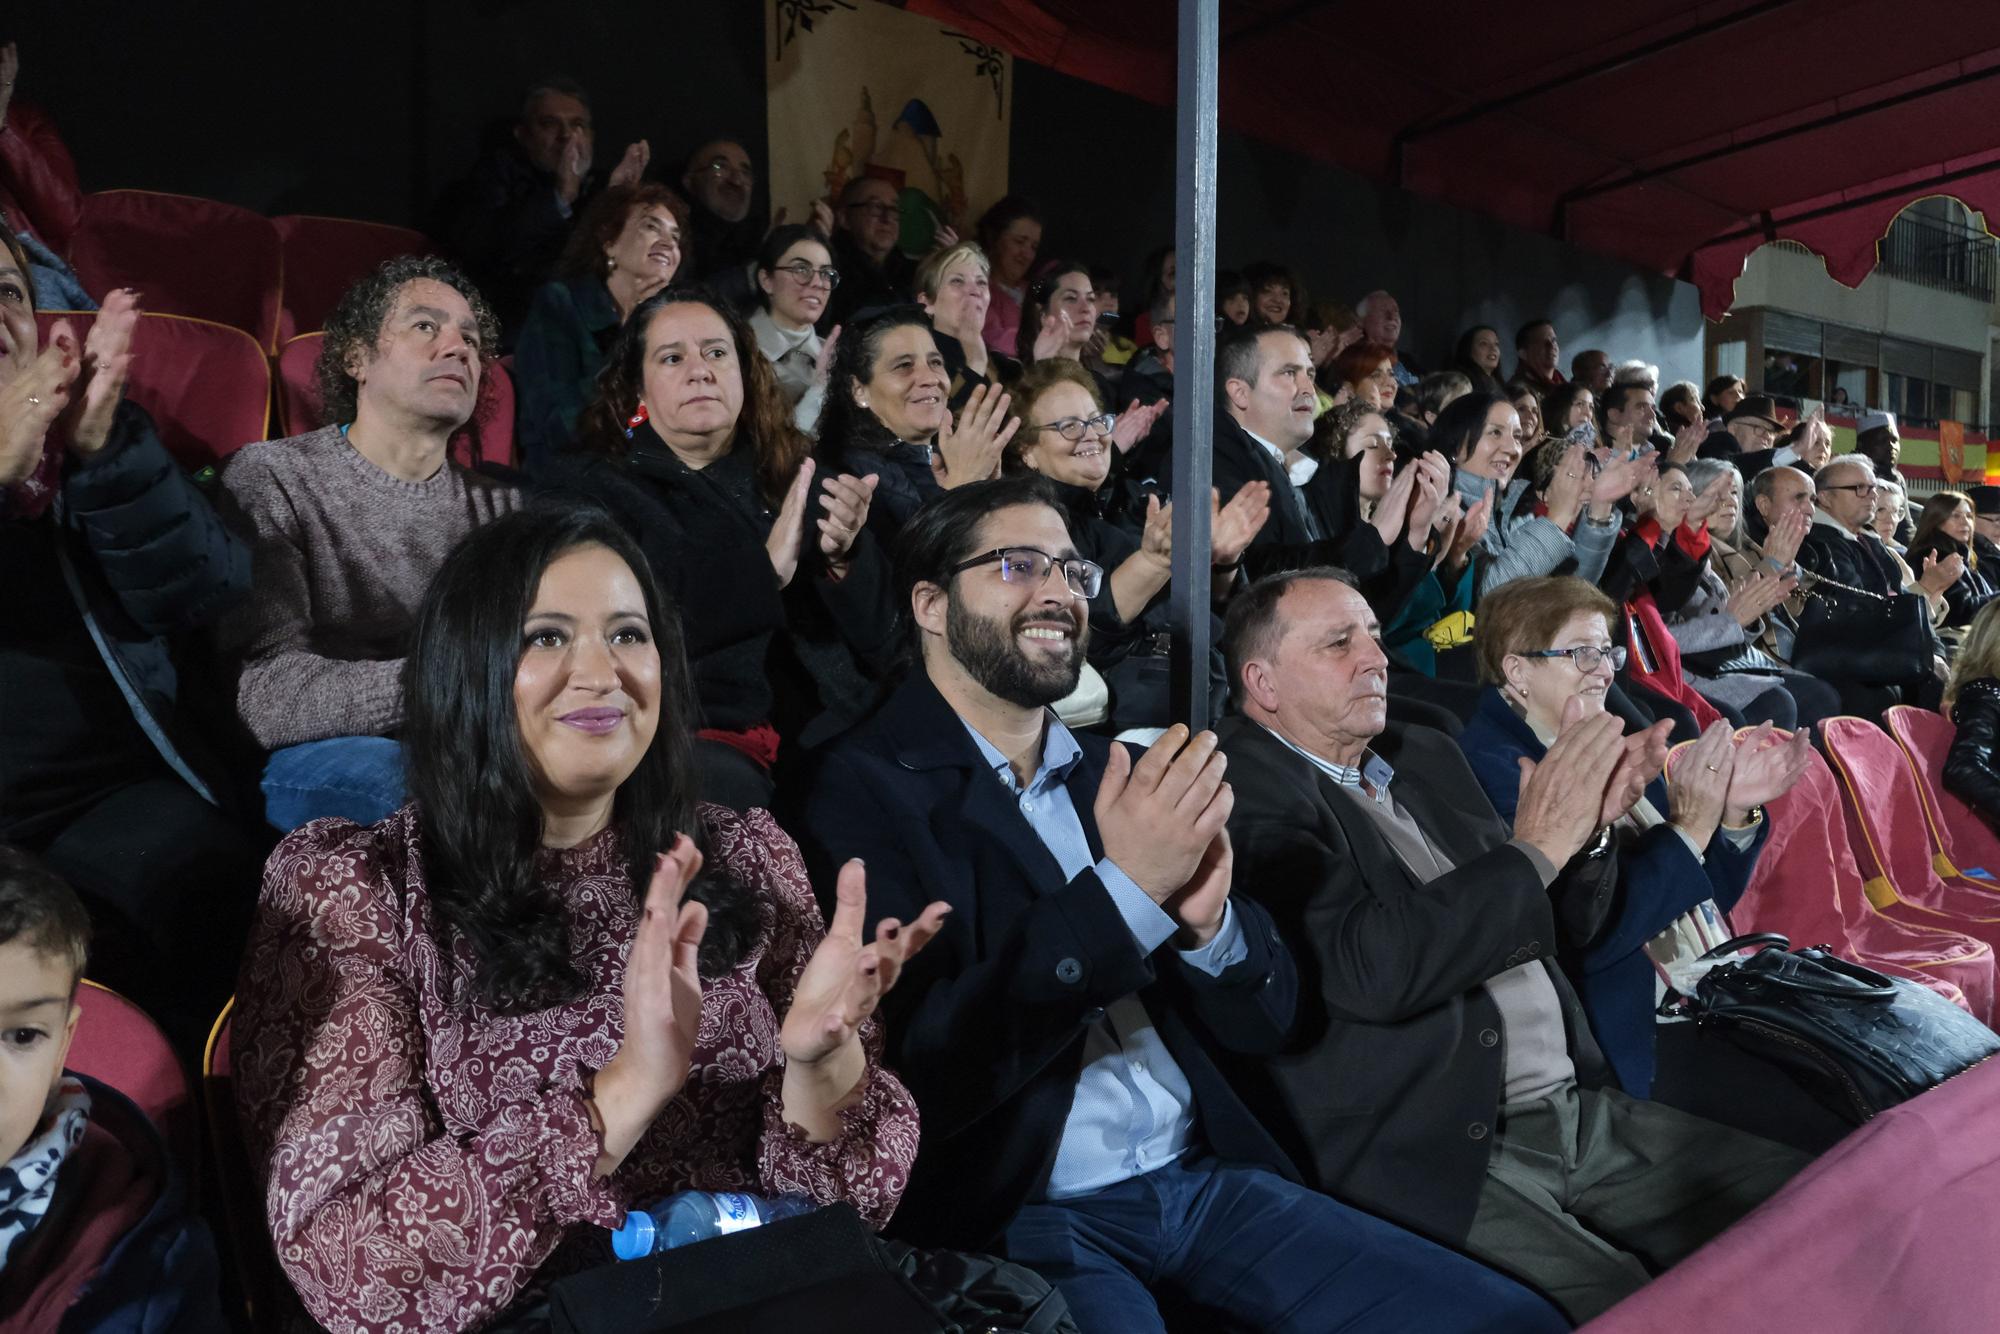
(1946, 256)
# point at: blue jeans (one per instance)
(1253, 1251)
(358, 778)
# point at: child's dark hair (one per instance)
(40, 911)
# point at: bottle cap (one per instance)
(635, 1240)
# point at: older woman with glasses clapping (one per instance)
(1687, 841)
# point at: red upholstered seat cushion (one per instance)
(119, 1045)
(186, 256)
(323, 257)
(207, 385)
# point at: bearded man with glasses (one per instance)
(1062, 1032)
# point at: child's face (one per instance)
(37, 1021)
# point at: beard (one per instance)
(990, 654)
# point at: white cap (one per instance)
(1870, 420)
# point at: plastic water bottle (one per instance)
(697, 1215)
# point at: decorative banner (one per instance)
(1951, 452)
(857, 88)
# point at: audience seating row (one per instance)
(273, 278)
(210, 389)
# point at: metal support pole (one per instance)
(1194, 357)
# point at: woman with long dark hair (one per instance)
(556, 985)
(689, 444)
(887, 417)
(1478, 356)
(1944, 529)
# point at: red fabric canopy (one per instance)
(1677, 136)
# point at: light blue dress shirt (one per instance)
(1133, 1110)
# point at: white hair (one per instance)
(1636, 372)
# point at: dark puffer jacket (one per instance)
(1972, 769)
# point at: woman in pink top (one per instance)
(554, 986)
(1011, 234)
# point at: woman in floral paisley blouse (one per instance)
(465, 1042)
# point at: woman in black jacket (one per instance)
(109, 557)
(1066, 437)
(784, 597)
(887, 417)
(1972, 702)
(1944, 529)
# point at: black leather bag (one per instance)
(1852, 634)
(1859, 1041)
(823, 1271)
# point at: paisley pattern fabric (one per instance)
(427, 1161)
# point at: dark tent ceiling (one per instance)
(1677, 136)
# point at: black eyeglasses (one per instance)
(1026, 565)
(1586, 657)
(1865, 488)
(721, 168)
(882, 211)
(803, 273)
(1074, 429)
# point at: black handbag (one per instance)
(823, 1271)
(1852, 634)
(1859, 1041)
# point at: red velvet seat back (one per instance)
(1808, 887)
(186, 256)
(118, 1044)
(323, 257)
(207, 385)
(1957, 831)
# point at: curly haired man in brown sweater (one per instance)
(350, 522)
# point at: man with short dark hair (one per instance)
(1591, 368)
(1536, 352)
(1627, 414)
(350, 522)
(508, 219)
(1060, 1033)
(1443, 1074)
(867, 221)
(1265, 401)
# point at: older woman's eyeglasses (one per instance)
(1074, 429)
(1026, 565)
(1585, 657)
(804, 273)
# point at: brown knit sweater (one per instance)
(344, 553)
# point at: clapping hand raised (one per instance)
(1160, 819)
(1136, 423)
(662, 1003)
(39, 393)
(969, 449)
(1232, 527)
(1767, 767)
(840, 987)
